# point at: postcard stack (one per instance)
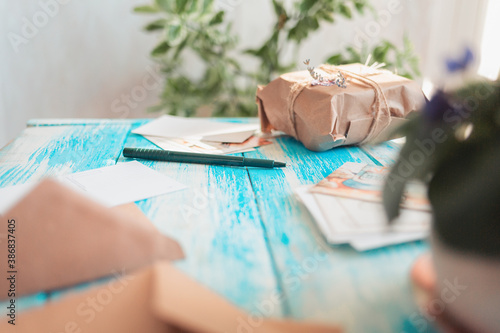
(347, 207)
(205, 136)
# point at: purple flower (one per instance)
(454, 65)
(437, 106)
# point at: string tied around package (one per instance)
(380, 104)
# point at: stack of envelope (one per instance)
(201, 135)
(347, 208)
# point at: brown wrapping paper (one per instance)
(157, 299)
(322, 117)
(63, 238)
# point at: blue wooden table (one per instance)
(245, 234)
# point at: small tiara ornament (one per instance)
(319, 80)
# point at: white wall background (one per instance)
(84, 58)
(90, 53)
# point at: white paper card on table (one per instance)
(374, 241)
(308, 200)
(122, 183)
(111, 186)
(195, 128)
(350, 217)
(359, 241)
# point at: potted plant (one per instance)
(453, 146)
(226, 84)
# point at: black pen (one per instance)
(175, 156)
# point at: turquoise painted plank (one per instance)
(81, 122)
(385, 153)
(53, 151)
(81, 287)
(216, 220)
(227, 231)
(365, 292)
(25, 303)
(135, 122)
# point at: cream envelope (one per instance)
(63, 238)
(168, 126)
(157, 299)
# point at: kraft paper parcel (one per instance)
(372, 106)
(63, 238)
(157, 299)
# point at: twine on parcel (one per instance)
(380, 98)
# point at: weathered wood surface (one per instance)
(245, 234)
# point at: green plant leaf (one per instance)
(193, 7)
(313, 23)
(160, 49)
(178, 50)
(155, 25)
(306, 5)
(360, 6)
(254, 52)
(345, 10)
(180, 5)
(175, 34)
(165, 5)
(206, 6)
(279, 9)
(327, 16)
(393, 192)
(380, 52)
(302, 28)
(234, 63)
(146, 9)
(335, 59)
(217, 19)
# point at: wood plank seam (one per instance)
(285, 306)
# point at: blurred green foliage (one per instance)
(403, 62)
(225, 88)
(457, 133)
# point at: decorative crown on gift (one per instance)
(338, 80)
